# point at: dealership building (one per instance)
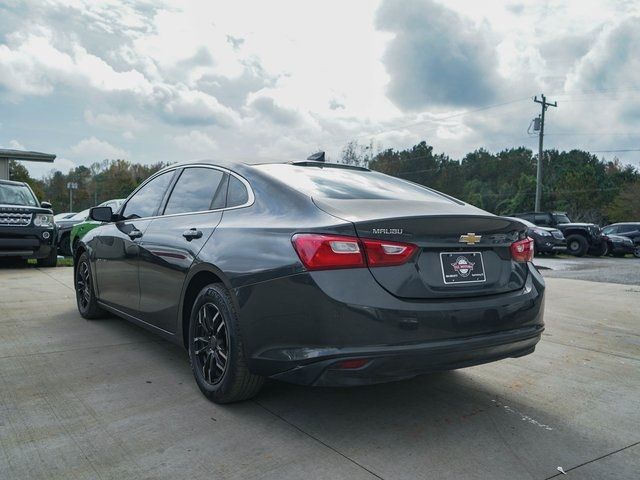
(6, 155)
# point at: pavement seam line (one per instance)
(74, 349)
(55, 279)
(280, 417)
(594, 460)
(547, 340)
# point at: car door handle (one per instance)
(191, 234)
(135, 233)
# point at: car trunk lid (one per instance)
(462, 251)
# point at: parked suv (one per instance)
(582, 238)
(627, 229)
(26, 225)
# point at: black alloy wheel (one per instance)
(85, 294)
(215, 348)
(211, 343)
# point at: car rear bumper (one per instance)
(550, 246)
(299, 328)
(385, 364)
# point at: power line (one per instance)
(576, 134)
(440, 119)
(595, 92)
(616, 151)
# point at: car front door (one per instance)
(116, 248)
(172, 241)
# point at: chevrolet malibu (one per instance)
(311, 273)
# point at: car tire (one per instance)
(85, 293)
(600, 251)
(51, 260)
(636, 251)
(64, 245)
(577, 245)
(214, 333)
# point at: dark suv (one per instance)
(627, 229)
(26, 225)
(582, 238)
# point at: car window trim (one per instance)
(123, 207)
(172, 187)
(250, 201)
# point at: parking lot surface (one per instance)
(104, 399)
(625, 271)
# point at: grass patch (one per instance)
(62, 262)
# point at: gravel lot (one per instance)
(106, 400)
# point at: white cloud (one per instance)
(173, 77)
(113, 121)
(196, 142)
(192, 107)
(16, 145)
(91, 150)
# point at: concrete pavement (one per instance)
(104, 399)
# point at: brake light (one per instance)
(323, 252)
(352, 364)
(385, 254)
(522, 250)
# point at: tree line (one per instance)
(577, 182)
(101, 181)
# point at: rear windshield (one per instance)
(17, 195)
(349, 184)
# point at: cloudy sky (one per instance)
(175, 80)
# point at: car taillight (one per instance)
(386, 254)
(323, 252)
(522, 250)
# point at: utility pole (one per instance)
(544, 104)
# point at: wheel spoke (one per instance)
(203, 340)
(210, 343)
(219, 365)
(202, 320)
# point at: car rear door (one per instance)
(116, 247)
(172, 241)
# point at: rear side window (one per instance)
(197, 190)
(146, 201)
(542, 219)
(350, 184)
(627, 228)
(237, 194)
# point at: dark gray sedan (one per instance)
(312, 273)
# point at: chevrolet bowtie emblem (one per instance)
(470, 238)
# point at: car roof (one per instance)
(253, 162)
(623, 223)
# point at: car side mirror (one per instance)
(45, 204)
(101, 214)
